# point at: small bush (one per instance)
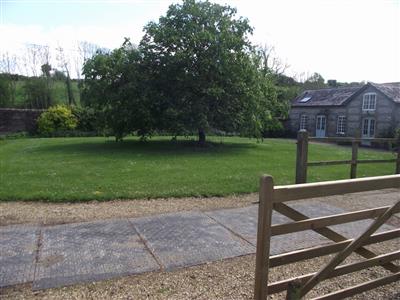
(88, 119)
(55, 119)
(274, 128)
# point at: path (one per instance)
(54, 256)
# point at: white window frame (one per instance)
(341, 125)
(303, 122)
(369, 102)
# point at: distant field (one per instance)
(80, 169)
(59, 92)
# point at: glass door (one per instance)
(320, 127)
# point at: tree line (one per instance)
(194, 70)
(31, 78)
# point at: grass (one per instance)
(59, 92)
(80, 169)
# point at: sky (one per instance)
(346, 40)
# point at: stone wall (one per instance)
(16, 120)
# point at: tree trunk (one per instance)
(202, 137)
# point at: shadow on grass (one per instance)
(151, 147)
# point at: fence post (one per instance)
(354, 157)
(302, 156)
(398, 156)
(263, 237)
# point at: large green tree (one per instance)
(198, 59)
(114, 86)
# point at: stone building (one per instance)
(370, 110)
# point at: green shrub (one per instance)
(56, 118)
(14, 135)
(88, 119)
(274, 128)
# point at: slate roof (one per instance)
(391, 90)
(339, 96)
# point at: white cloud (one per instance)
(346, 40)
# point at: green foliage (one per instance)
(37, 93)
(114, 87)
(199, 59)
(46, 68)
(14, 135)
(59, 75)
(56, 118)
(314, 82)
(274, 128)
(57, 88)
(87, 118)
(6, 91)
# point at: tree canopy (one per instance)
(200, 59)
(114, 86)
(195, 70)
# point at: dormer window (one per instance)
(369, 102)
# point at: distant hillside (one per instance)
(13, 91)
(58, 91)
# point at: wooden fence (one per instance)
(302, 163)
(273, 198)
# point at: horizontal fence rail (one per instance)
(350, 139)
(302, 162)
(273, 198)
(330, 188)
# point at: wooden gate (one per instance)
(273, 198)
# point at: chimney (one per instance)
(332, 83)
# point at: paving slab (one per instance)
(349, 230)
(189, 238)
(243, 221)
(18, 245)
(92, 251)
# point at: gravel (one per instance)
(60, 213)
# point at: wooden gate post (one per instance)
(354, 157)
(302, 156)
(263, 237)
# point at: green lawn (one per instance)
(60, 169)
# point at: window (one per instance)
(305, 99)
(369, 101)
(341, 125)
(303, 122)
